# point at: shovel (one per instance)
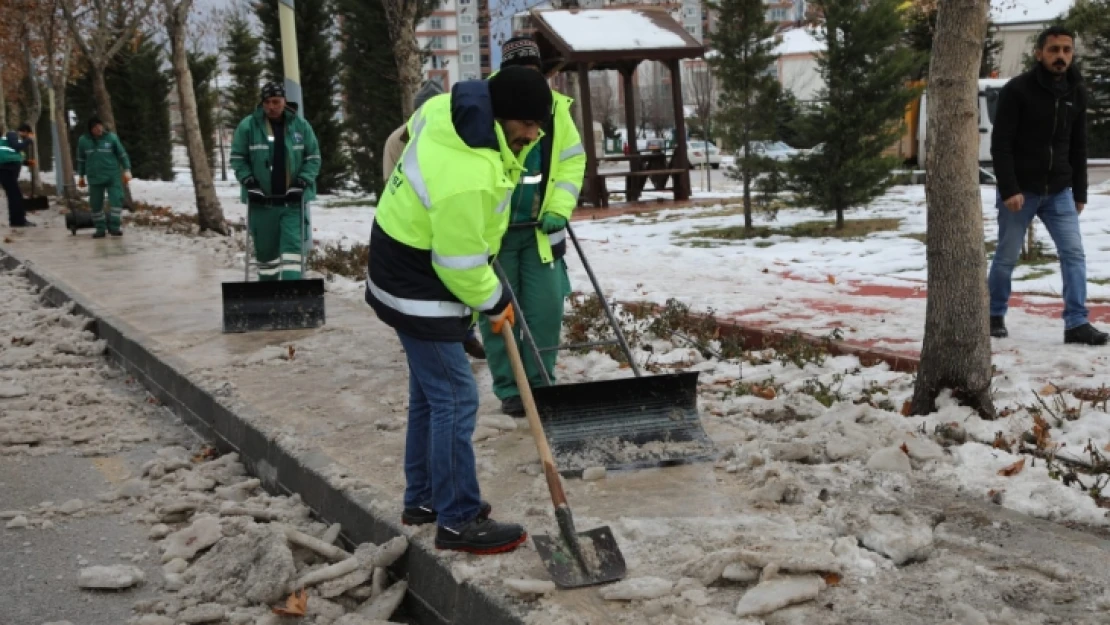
(573, 559)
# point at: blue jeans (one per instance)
(440, 470)
(1060, 217)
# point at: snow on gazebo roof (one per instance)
(600, 37)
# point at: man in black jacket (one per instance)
(1039, 147)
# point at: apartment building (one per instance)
(457, 36)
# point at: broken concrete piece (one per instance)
(530, 587)
(186, 543)
(256, 565)
(203, 613)
(775, 594)
(903, 538)
(116, 577)
(890, 459)
(641, 588)
(383, 606)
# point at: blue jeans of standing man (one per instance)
(1060, 217)
(440, 470)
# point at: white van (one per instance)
(989, 89)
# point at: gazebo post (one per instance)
(588, 134)
(627, 70)
(681, 160)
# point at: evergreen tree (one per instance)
(243, 54)
(748, 89)
(921, 28)
(141, 89)
(370, 82)
(319, 80)
(865, 69)
(1090, 21)
(203, 67)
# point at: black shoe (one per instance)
(26, 224)
(1085, 334)
(99, 234)
(998, 328)
(474, 348)
(116, 233)
(513, 406)
(422, 515)
(481, 536)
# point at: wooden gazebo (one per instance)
(581, 40)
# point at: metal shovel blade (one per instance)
(36, 203)
(276, 305)
(604, 561)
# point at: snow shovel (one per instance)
(79, 220)
(593, 423)
(273, 305)
(573, 559)
(35, 202)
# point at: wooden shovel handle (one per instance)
(554, 484)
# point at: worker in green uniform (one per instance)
(100, 157)
(276, 160)
(532, 257)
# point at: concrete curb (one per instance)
(434, 596)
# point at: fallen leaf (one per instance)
(1049, 389)
(292, 352)
(1000, 442)
(1040, 430)
(832, 279)
(295, 605)
(763, 392)
(906, 408)
(1013, 469)
(905, 449)
(7, 239)
(765, 270)
(832, 579)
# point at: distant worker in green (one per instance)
(276, 159)
(103, 161)
(533, 248)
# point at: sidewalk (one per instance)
(322, 413)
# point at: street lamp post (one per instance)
(291, 64)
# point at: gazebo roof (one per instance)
(611, 38)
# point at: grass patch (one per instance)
(349, 262)
(853, 229)
(1036, 274)
(1099, 281)
(366, 202)
(916, 236)
(151, 216)
(764, 244)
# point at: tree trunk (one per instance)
(839, 218)
(64, 155)
(103, 99)
(210, 215)
(410, 64)
(3, 100)
(36, 108)
(957, 350)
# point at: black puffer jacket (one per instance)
(1039, 142)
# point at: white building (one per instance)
(1019, 22)
(459, 41)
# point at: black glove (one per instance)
(254, 190)
(296, 189)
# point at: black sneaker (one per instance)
(513, 406)
(422, 515)
(998, 328)
(1085, 334)
(26, 224)
(116, 233)
(474, 348)
(99, 234)
(482, 537)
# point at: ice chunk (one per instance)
(594, 473)
(110, 577)
(529, 587)
(638, 588)
(11, 391)
(901, 537)
(890, 459)
(186, 543)
(203, 613)
(775, 594)
(17, 523)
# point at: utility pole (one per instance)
(291, 64)
(219, 123)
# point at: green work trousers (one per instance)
(278, 242)
(115, 205)
(541, 289)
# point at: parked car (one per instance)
(696, 151)
(776, 150)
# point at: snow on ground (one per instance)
(227, 550)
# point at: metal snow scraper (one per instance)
(573, 559)
(273, 305)
(595, 423)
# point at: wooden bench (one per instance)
(635, 181)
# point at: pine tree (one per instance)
(319, 80)
(370, 82)
(138, 80)
(921, 28)
(1090, 21)
(243, 55)
(865, 68)
(748, 89)
(203, 68)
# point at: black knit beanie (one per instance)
(520, 93)
(520, 51)
(272, 90)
